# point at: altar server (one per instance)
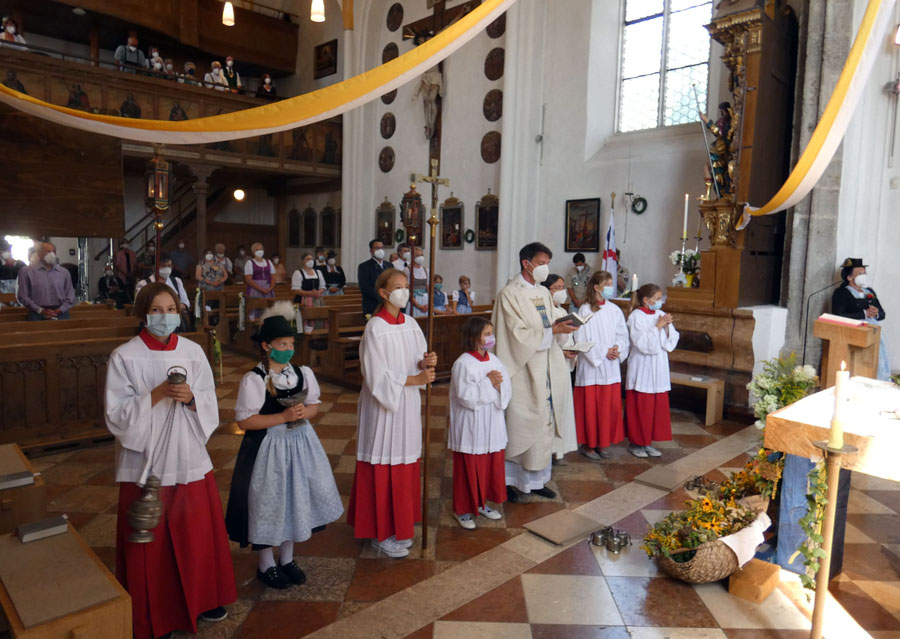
(282, 489)
(564, 441)
(647, 384)
(161, 430)
(479, 393)
(598, 375)
(385, 501)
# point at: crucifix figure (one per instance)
(435, 182)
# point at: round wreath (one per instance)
(469, 236)
(399, 235)
(638, 205)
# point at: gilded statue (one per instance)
(721, 150)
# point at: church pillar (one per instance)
(84, 285)
(201, 190)
(811, 234)
(523, 101)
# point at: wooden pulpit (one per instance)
(855, 345)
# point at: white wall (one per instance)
(257, 207)
(311, 35)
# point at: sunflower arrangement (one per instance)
(760, 476)
(705, 519)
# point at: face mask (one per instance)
(209, 257)
(308, 263)
(861, 279)
(190, 72)
(108, 273)
(608, 292)
(181, 245)
(10, 30)
(320, 259)
(281, 357)
(560, 297)
(267, 81)
(332, 261)
(242, 252)
(275, 260)
(656, 306)
(379, 254)
(50, 258)
(165, 272)
(132, 48)
(154, 54)
(399, 297)
(216, 72)
(579, 268)
(157, 65)
(420, 259)
(540, 273)
(151, 249)
(405, 256)
(259, 254)
(4, 255)
(489, 342)
(123, 246)
(221, 255)
(163, 324)
(168, 67)
(230, 64)
(438, 286)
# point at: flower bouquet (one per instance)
(688, 263)
(781, 383)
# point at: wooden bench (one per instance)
(86, 311)
(715, 393)
(24, 326)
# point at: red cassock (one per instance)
(647, 417)
(477, 479)
(186, 570)
(385, 500)
(598, 415)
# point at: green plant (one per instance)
(811, 524)
(689, 261)
(896, 379)
(781, 383)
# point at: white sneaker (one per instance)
(465, 521)
(490, 513)
(652, 451)
(405, 543)
(390, 548)
(637, 451)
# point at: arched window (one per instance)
(665, 63)
(310, 226)
(294, 228)
(330, 234)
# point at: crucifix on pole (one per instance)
(433, 222)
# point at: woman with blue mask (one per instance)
(440, 297)
(647, 383)
(598, 375)
(161, 430)
(282, 489)
(565, 441)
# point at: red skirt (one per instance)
(598, 415)
(385, 500)
(647, 417)
(186, 570)
(476, 479)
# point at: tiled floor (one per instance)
(499, 581)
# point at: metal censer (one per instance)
(293, 400)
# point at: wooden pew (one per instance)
(57, 337)
(448, 344)
(112, 321)
(81, 311)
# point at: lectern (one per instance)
(855, 345)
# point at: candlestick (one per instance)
(836, 434)
(634, 283)
(684, 226)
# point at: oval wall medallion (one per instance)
(391, 51)
(386, 159)
(493, 64)
(389, 97)
(388, 125)
(395, 16)
(497, 28)
(490, 147)
(493, 105)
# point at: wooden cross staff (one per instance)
(433, 222)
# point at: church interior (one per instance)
(268, 155)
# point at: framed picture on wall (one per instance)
(583, 225)
(385, 216)
(452, 229)
(486, 216)
(325, 61)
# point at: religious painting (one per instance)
(385, 215)
(583, 225)
(395, 16)
(300, 148)
(330, 222)
(412, 214)
(12, 81)
(388, 125)
(176, 110)
(452, 229)
(487, 212)
(386, 159)
(83, 96)
(389, 97)
(490, 147)
(497, 28)
(325, 60)
(391, 51)
(309, 223)
(493, 105)
(493, 64)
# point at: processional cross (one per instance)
(435, 181)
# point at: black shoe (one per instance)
(168, 635)
(293, 572)
(513, 496)
(273, 578)
(544, 492)
(215, 615)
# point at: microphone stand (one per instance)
(806, 315)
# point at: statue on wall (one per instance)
(78, 99)
(431, 85)
(720, 151)
(130, 108)
(177, 113)
(12, 81)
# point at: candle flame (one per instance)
(843, 366)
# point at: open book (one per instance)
(579, 347)
(576, 319)
(842, 321)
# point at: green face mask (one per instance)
(281, 357)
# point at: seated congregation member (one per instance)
(112, 287)
(161, 430)
(280, 270)
(441, 306)
(856, 300)
(385, 501)
(368, 272)
(564, 441)
(463, 298)
(282, 488)
(479, 393)
(44, 287)
(598, 376)
(335, 280)
(259, 274)
(173, 282)
(418, 282)
(647, 383)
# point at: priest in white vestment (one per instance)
(539, 374)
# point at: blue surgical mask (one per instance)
(438, 286)
(657, 306)
(608, 292)
(163, 324)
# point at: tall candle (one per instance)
(841, 381)
(634, 283)
(684, 226)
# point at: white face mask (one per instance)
(320, 259)
(230, 64)
(275, 260)
(154, 54)
(168, 67)
(10, 29)
(241, 252)
(5, 255)
(862, 280)
(223, 255)
(267, 81)
(108, 273)
(259, 253)
(181, 245)
(399, 297)
(308, 263)
(420, 259)
(405, 256)
(332, 261)
(540, 273)
(560, 297)
(579, 268)
(216, 71)
(50, 258)
(132, 48)
(378, 254)
(165, 272)
(157, 65)
(209, 257)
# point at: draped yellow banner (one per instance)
(279, 116)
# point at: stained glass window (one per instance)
(665, 63)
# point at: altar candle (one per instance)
(841, 381)
(684, 226)
(634, 283)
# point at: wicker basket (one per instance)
(713, 561)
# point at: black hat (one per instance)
(274, 327)
(854, 262)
